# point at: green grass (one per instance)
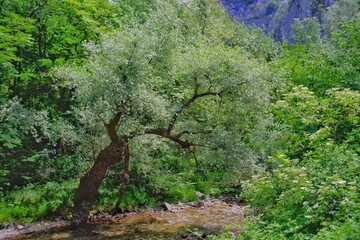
(34, 202)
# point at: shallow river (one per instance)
(209, 218)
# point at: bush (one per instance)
(174, 187)
(34, 202)
(133, 197)
(315, 195)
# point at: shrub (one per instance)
(315, 195)
(34, 202)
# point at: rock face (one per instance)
(275, 16)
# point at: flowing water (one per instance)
(211, 217)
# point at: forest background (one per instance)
(197, 101)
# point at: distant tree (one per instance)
(341, 11)
(328, 64)
(306, 31)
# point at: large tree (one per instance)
(179, 76)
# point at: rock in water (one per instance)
(167, 206)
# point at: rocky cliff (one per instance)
(275, 16)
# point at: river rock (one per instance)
(199, 195)
(167, 206)
(20, 227)
(193, 236)
(75, 222)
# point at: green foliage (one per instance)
(223, 236)
(316, 190)
(130, 11)
(137, 198)
(133, 198)
(35, 202)
(52, 129)
(37, 124)
(24, 159)
(341, 11)
(306, 31)
(346, 40)
(211, 188)
(35, 36)
(340, 230)
(315, 120)
(174, 188)
(152, 56)
(310, 190)
(321, 66)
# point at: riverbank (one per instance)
(169, 222)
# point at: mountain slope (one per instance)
(276, 16)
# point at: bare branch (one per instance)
(102, 119)
(180, 134)
(159, 132)
(188, 103)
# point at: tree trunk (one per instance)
(125, 180)
(87, 190)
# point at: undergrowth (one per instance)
(35, 202)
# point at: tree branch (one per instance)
(113, 123)
(186, 104)
(159, 45)
(163, 133)
(180, 134)
(166, 132)
(37, 8)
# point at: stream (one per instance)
(207, 216)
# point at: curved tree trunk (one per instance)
(87, 190)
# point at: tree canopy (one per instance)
(170, 77)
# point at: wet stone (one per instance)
(167, 206)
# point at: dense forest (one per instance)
(107, 106)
